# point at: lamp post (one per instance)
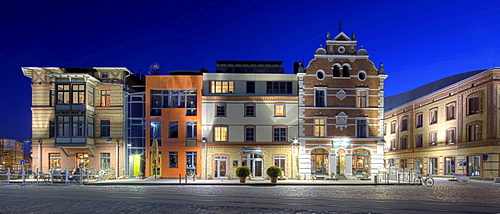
(295, 143)
(204, 141)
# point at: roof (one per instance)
(406, 97)
(249, 62)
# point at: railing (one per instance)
(54, 177)
(398, 175)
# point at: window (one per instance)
(220, 110)
(433, 138)
(385, 129)
(249, 133)
(279, 161)
(82, 160)
(177, 98)
(345, 71)
(362, 75)
(105, 98)
(450, 111)
(191, 130)
(279, 110)
(404, 142)
(279, 134)
(90, 127)
(319, 161)
(336, 71)
(473, 165)
(418, 141)
(450, 136)
(220, 133)
(173, 129)
(105, 160)
(433, 166)
(52, 95)
(473, 105)
(63, 123)
(105, 128)
(191, 160)
(360, 161)
(449, 166)
(404, 163)
(222, 87)
(419, 120)
(279, 87)
(172, 159)
(393, 127)
(78, 94)
(250, 110)
(54, 160)
(404, 123)
(319, 97)
(393, 145)
(155, 132)
(319, 127)
(63, 94)
(52, 129)
(320, 74)
(433, 114)
(361, 128)
(361, 96)
(78, 124)
(250, 87)
(90, 97)
(473, 131)
(418, 165)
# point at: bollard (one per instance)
(375, 177)
(180, 180)
(186, 179)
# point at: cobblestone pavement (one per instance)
(444, 196)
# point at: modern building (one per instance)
(448, 126)
(78, 117)
(341, 103)
(11, 154)
(173, 118)
(249, 118)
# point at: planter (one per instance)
(274, 172)
(242, 179)
(274, 180)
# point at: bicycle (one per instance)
(427, 180)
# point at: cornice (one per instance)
(287, 98)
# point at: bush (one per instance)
(273, 171)
(242, 171)
(140, 174)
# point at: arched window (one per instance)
(345, 71)
(360, 161)
(319, 161)
(336, 71)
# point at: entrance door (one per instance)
(221, 164)
(256, 164)
(257, 168)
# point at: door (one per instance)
(257, 168)
(221, 166)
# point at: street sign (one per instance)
(23, 162)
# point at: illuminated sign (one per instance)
(341, 143)
(252, 151)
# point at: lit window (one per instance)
(450, 111)
(155, 132)
(433, 115)
(173, 158)
(105, 160)
(54, 160)
(450, 136)
(433, 138)
(221, 87)
(362, 98)
(78, 94)
(433, 166)
(220, 133)
(105, 97)
(449, 166)
(63, 94)
(279, 110)
(279, 161)
(82, 160)
(319, 127)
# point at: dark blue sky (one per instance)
(418, 41)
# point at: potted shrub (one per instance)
(298, 176)
(242, 173)
(274, 172)
(140, 175)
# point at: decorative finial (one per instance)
(328, 35)
(353, 36)
(340, 26)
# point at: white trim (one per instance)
(320, 71)
(362, 72)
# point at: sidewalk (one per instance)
(252, 182)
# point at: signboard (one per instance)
(341, 143)
(252, 151)
(22, 162)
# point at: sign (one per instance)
(341, 143)
(485, 157)
(23, 162)
(252, 151)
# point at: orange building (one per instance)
(173, 119)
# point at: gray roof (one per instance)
(406, 97)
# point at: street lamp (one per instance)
(204, 141)
(295, 142)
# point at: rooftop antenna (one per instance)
(340, 26)
(154, 69)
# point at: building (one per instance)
(249, 118)
(341, 102)
(173, 118)
(445, 127)
(11, 154)
(78, 117)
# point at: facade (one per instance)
(249, 118)
(173, 118)
(11, 154)
(135, 135)
(78, 117)
(446, 127)
(341, 102)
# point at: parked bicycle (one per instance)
(427, 180)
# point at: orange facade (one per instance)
(173, 103)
